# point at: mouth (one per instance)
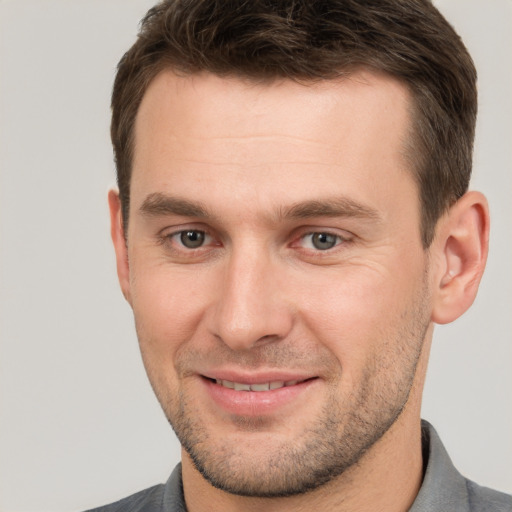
(263, 386)
(258, 395)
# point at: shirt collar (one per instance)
(443, 487)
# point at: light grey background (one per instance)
(79, 423)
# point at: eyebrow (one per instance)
(158, 204)
(331, 207)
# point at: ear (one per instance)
(460, 246)
(120, 244)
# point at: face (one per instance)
(276, 272)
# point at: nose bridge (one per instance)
(250, 306)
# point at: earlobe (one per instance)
(461, 245)
(118, 238)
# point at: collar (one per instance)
(443, 487)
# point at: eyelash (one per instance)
(338, 239)
(171, 238)
(173, 242)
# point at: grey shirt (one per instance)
(443, 489)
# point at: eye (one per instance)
(188, 245)
(192, 238)
(321, 241)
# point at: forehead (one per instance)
(279, 141)
(198, 100)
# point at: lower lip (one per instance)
(255, 403)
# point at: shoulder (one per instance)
(166, 497)
(148, 500)
(444, 488)
(483, 499)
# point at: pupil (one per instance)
(192, 239)
(324, 241)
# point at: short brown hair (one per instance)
(311, 40)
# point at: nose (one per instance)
(250, 307)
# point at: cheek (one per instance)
(166, 316)
(355, 310)
(167, 309)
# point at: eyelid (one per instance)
(308, 231)
(339, 239)
(170, 236)
(177, 236)
(167, 236)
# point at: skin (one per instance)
(260, 169)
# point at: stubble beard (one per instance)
(335, 442)
(323, 452)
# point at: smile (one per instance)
(258, 395)
(264, 386)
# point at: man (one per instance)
(292, 219)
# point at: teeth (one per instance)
(260, 387)
(265, 386)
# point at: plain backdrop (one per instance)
(79, 423)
